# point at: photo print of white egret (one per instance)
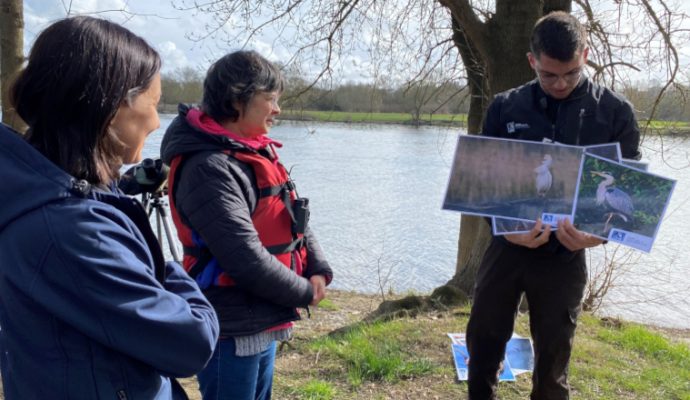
(620, 203)
(512, 178)
(504, 226)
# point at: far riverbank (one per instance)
(448, 120)
(444, 120)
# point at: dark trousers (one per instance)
(554, 285)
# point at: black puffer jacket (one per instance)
(592, 114)
(215, 195)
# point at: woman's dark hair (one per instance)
(80, 71)
(559, 35)
(234, 79)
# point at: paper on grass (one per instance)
(519, 357)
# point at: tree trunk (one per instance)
(11, 55)
(474, 235)
(508, 44)
(494, 53)
(558, 5)
(476, 77)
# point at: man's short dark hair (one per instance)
(559, 35)
(80, 71)
(234, 79)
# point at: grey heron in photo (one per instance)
(543, 177)
(617, 202)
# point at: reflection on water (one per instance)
(376, 192)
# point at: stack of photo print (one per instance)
(516, 182)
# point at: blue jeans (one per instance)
(229, 377)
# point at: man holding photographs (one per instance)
(560, 105)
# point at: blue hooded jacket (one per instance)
(82, 315)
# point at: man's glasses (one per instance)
(571, 78)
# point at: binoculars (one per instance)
(149, 176)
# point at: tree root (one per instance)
(442, 298)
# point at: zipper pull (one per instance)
(579, 126)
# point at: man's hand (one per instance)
(574, 239)
(318, 283)
(533, 238)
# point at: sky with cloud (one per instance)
(169, 30)
(165, 27)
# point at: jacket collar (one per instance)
(206, 123)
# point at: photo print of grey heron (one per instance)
(614, 196)
(512, 178)
(502, 226)
(615, 201)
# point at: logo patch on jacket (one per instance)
(512, 126)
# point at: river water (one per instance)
(376, 192)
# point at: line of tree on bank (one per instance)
(186, 86)
(418, 99)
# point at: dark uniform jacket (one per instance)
(592, 114)
(215, 195)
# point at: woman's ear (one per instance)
(239, 107)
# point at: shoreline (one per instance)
(374, 299)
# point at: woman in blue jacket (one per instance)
(88, 307)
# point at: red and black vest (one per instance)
(272, 217)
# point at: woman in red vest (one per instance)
(243, 227)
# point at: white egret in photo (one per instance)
(543, 177)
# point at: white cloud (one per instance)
(160, 24)
(173, 58)
(90, 6)
(269, 51)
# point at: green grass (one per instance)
(657, 127)
(459, 120)
(391, 118)
(314, 390)
(628, 362)
(649, 344)
(656, 124)
(327, 305)
(374, 352)
(412, 356)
